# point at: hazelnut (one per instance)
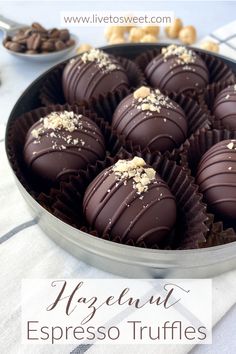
(83, 48)
(116, 39)
(142, 92)
(153, 30)
(188, 35)
(148, 38)
(173, 30)
(136, 34)
(111, 30)
(210, 46)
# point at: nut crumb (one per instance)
(134, 169)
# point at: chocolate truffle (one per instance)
(216, 178)
(92, 74)
(151, 120)
(129, 200)
(224, 107)
(177, 69)
(61, 143)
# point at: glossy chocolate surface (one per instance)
(224, 108)
(216, 178)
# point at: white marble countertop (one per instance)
(16, 75)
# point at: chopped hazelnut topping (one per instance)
(152, 102)
(183, 54)
(232, 145)
(134, 169)
(55, 122)
(68, 121)
(101, 58)
(142, 92)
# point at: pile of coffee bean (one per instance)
(36, 39)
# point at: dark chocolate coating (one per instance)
(157, 131)
(224, 107)
(216, 178)
(163, 75)
(50, 163)
(122, 213)
(82, 81)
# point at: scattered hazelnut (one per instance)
(173, 30)
(116, 39)
(111, 30)
(83, 48)
(153, 30)
(188, 35)
(142, 92)
(148, 38)
(136, 34)
(210, 46)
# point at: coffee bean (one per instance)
(54, 33)
(64, 35)
(60, 45)
(8, 44)
(34, 41)
(31, 52)
(48, 46)
(70, 43)
(16, 47)
(6, 39)
(38, 27)
(20, 38)
(28, 32)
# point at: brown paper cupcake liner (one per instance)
(218, 70)
(191, 228)
(190, 156)
(52, 92)
(201, 141)
(18, 131)
(217, 235)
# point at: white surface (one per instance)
(43, 258)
